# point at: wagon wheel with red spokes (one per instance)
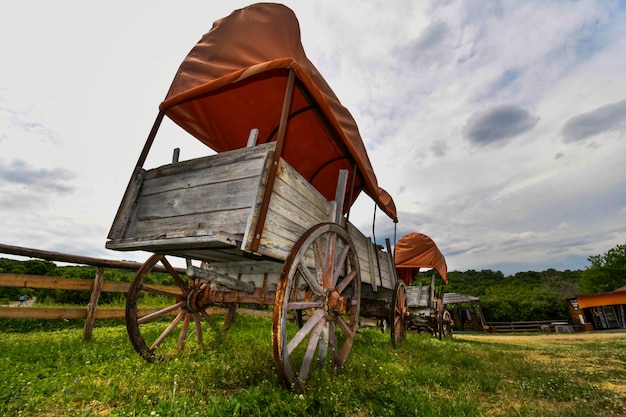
(397, 318)
(159, 317)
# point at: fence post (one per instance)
(93, 303)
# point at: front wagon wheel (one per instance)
(321, 276)
(158, 318)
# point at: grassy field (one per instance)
(47, 370)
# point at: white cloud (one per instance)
(79, 92)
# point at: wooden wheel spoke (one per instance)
(174, 274)
(167, 331)
(345, 282)
(208, 319)
(344, 326)
(160, 313)
(398, 308)
(183, 333)
(310, 350)
(323, 343)
(332, 341)
(230, 318)
(340, 261)
(328, 272)
(319, 261)
(342, 357)
(153, 289)
(305, 330)
(198, 322)
(311, 281)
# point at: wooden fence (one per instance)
(530, 326)
(96, 286)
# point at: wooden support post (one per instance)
(93, 303)
(340, 195)
(150, 140)
(252, 138)
(278, 152)
(370, 257)
(392, 264)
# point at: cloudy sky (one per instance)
(498, 127)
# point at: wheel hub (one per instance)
(198, 299)
(337, 304)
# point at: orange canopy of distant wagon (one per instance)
(236, 79)
(414, 251)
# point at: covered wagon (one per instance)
(424, 302)
(264, 219)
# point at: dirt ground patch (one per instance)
(541, 337)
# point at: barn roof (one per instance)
(456, 298)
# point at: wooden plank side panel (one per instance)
(387, 278)
(362, 244)
(156, 184)
(187, 204)
(182, 212)
(237, 157)
(285, 224)
(180, 246)
(230, 222)
(203, 200)
(295, 207)
(293, 180)
(375, 262)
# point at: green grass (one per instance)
(50, 371)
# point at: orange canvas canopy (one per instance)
(415, 251)
(236, 79)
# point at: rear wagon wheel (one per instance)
(158, 321)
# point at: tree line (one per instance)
(523, 296)
(536, 295)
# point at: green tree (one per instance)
(606, 273)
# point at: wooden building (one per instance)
(599, 311)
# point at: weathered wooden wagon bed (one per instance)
(264, 220)
(208, 208)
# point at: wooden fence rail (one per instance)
(96, 286)
(528, 326)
